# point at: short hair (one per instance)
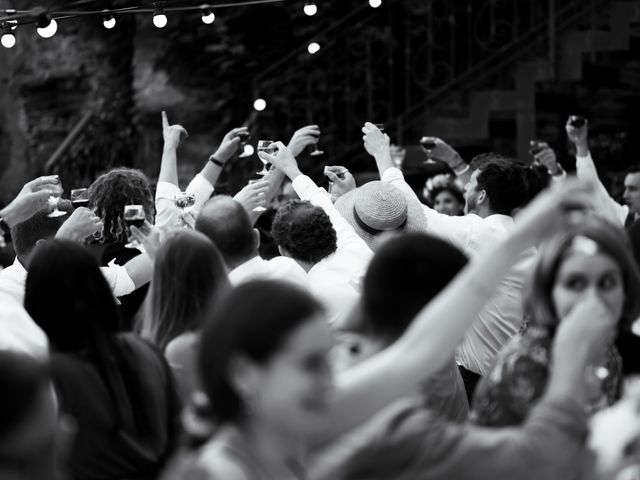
(254, 319)
(505, 184)
(305, 231)
(483, 159)
(228, 226)
(405, 275)
(111, 192)
(632, 169)
(612, 240)
(39, 226)
(188, 271)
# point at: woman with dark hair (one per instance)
(594, 256)
(188, 272)
(108, 195)
(445, 195)
(118, 388)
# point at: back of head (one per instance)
(229, 227)
(188, 271)
(304, 231)
(404, 276)
(252, 320)
(538, 179)
(68, 297)
(111, 192)
(483, 159)
(40, 226)
(505, 184)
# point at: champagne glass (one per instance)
(576, 121)
(428, 145)
(258, 208)
(134, 216)
(316, 151)
(184, 201)
(79, 197)
(266, 146)
(53, 201)
(244, 138)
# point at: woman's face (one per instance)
(296, 386)
(580, 273)
(446, 203)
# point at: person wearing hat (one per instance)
(494, 191)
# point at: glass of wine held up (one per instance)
(185, 202)
(53, 201)
(428, 144)
(244, 137)
(269, 147)
(79, 197)
(134, 216)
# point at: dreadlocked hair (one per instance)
(108, 196)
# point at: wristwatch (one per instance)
(215, 161)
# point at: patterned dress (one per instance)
(519, 378)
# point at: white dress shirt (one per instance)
(337, 279)
(18, 332)
(14, 278)
(502, 316)
(278, 268)
(167, 214)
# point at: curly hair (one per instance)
(304, 231)
(109, 194)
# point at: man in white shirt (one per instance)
(492, 193)
(586, 170)
(228, 225)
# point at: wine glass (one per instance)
(258, 208)
(266, 146)
(398, 155)
(134, 216)
(576, 121)
(79, 197)
(244, 137)
(316, 151)
(184, 201)
(428, 145)
(53, 201)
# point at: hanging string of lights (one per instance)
(46, 20)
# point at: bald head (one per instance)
(229, 227)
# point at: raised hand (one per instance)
(375, 142)
(148, 236)
(284, 160)
(340, 185)
(82, 223)
(302, 138)
(253, 195)
(230, 143)
(547, 158)
(579, 137)
(172, 134)
(33, 197)
(445, 153)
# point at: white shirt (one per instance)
(18, 332)
(14, 278)
(167, 214)
(502, 316)
(337, 279)
(278, 268)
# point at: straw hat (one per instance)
(378, 207)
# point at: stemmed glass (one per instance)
(397, 155)
(258, 208)
(269, 147)
(244, 137)
(316, 151)
(134, 216)
(79, 197)
(184, 201)
(53, 201)
(428, 145)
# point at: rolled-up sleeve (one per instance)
(167, 214)
(118, 279)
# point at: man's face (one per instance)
(471, 193)
(632, 192)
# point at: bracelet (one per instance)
(460, 171)
(215, 161)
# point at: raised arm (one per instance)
(586, 170)
(431, 339)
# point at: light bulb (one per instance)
(260, 104)
(49, 30)
(310, 9)
(160, 20)
(8, 40)
(375, 3)
(313, 47)
(208, 17)
(109, 22)
(248, 150)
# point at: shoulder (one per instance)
(181, 348)
(219, 461)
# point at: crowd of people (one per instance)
(486, 327)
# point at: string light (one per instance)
(310, 9)
(109, 21)
(313, 47)
(159, 18)
(375, 3)
(260, 104)
(208, 16)
(8, 39)
(47, 26)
